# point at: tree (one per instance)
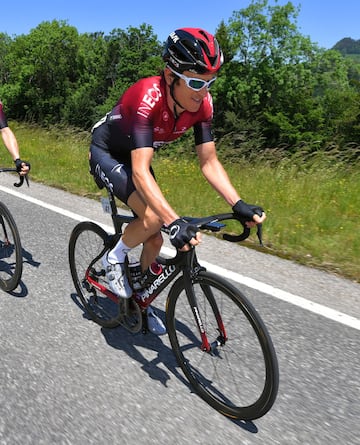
(270, 77)
(4, 47)
(276, 88)
(338, 95)
(43, 70)
(90, 89)
(130, 55)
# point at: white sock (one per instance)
(118, 253)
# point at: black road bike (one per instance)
(11, 260)
(219, 339)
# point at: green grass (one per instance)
(58, 157)
(312, 206)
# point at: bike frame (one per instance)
(188, 265)
(190, 285)
(149, 294)
(184, 262)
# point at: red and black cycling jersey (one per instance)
(142, 118)
(3, 120)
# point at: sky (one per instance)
(324, 21)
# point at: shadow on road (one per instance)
(121, 339)
(21, 290)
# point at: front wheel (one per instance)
(11, 261)
(239, 376)
(88, 242)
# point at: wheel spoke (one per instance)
(87, 243)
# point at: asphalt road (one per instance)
(65, 380)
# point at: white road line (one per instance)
(249, 282)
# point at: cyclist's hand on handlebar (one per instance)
(22, 167)
(249, 214)
(182, 233)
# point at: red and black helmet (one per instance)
(193, 49)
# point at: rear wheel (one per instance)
(88, 242)
(239, 376)
(11, 261)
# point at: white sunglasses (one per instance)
(195, 83)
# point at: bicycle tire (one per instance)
(11, 260)
(239, 379)
(88, 242)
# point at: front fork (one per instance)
(190, 274)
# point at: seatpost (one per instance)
(114, 212)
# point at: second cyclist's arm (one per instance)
(10, 142)
(147, 186)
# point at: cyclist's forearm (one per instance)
(150, 191)
(217, 177)
(147, 186)
(215, 173)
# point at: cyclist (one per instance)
(152, 112)
(11, 144)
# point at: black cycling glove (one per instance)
(18, 163)
(245, 211)
(181, 232)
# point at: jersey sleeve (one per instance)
(142, 132)
(142, 104)
(203, 132)
(203, 129)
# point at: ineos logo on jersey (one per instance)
(101, 174)
(150, 99)
(174, 231)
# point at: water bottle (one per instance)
(155, 269)
(149, 276)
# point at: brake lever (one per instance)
(21, 181)
(259, 234)
(246, 232)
